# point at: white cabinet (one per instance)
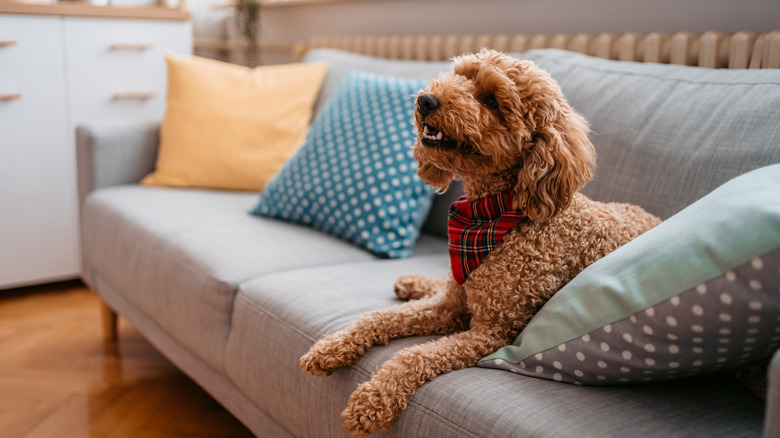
(57, 72)
(37, 212)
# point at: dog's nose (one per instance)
(427, 104)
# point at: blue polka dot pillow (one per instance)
(355, 176)
(698, 293)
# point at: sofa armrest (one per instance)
(772, 418)
(114, 153)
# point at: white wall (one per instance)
(293, 23)
(386, 17)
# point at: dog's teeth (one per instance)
(438, 136)
(426, 131)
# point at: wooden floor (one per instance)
(59, 379)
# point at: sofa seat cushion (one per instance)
(278, 317)
(184, 252)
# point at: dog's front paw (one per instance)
(328, 355)
(412, 287)
(371, 409)
(313, 363)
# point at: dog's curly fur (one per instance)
(505, 125)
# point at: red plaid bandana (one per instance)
(476, 227)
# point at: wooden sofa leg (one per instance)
(110, 319)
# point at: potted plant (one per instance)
(247, 15)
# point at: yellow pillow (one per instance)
(231, 127)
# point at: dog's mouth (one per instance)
(434, 138)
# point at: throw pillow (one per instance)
(698, 293)
(356, 177)
(231, 127)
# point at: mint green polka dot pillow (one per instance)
(355, 177)
(698, 293)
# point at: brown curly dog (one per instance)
(503, 126)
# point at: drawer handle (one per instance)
(7, 97)
(7, 43)
(131, 46)
(120, 95)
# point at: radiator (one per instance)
(708, 49)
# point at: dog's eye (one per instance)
(490, 101)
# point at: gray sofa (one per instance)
(234, 300)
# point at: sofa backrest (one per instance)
(341, 63)
(665, 135)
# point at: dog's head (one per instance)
(495, 120)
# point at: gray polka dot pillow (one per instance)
(355, 177)
(698, 293)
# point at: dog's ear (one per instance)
(558, 163)
(435, 177)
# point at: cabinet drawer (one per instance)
(116, 68)
(108, 93)
(30, 41)
(124, 44)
